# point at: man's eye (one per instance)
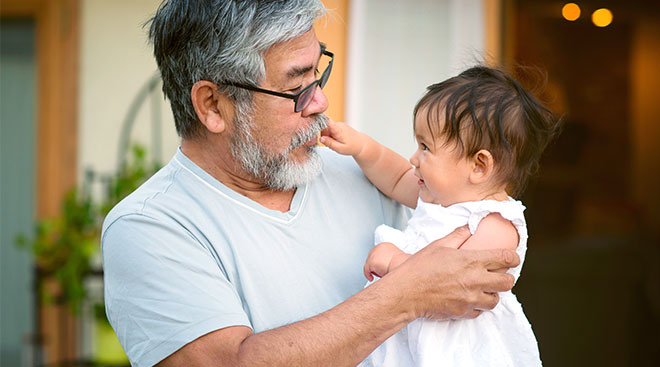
(316, 72)
(295, 90)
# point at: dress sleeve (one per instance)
(163, 289)
(510, 210)
(385, 233)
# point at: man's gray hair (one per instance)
(220, 41)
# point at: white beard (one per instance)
(277, 171)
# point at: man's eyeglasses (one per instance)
(303, 97)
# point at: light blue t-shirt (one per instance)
(185, 255)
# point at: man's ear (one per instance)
(215, 110)
(483, 166)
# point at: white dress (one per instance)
(500, 337)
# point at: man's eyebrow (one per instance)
(297, 71)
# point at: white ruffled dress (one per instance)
(500, 337)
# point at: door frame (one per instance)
(57, 58)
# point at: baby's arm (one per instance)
(391, 173)
(382, 258)
(493, 232)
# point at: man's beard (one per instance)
(277, 171)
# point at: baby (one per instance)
(479, 137)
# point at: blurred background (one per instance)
(83, 122)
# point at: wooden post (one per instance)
(57, 29)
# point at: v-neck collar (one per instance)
(297, 202)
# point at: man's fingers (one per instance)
(454, 239)
(499, 283)
(488, 301)
(501, 258)
(472, 314)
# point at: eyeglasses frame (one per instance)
(320, 82)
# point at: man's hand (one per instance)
(441, 282)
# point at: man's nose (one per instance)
(318, 104)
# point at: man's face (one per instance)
(276, 144)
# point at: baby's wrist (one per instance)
(396, 260)
(360, 140)
(364, 153)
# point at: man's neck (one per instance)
(217, 161)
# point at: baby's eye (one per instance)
(423, 146)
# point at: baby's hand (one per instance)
(342, 138)
(383, 258)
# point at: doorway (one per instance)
(589, 286)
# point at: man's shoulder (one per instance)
(144, 201)
(340, 167)
(335, 159)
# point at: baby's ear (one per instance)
(483, 166)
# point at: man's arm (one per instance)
(391, 173)
(438, 282)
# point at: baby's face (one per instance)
(443, 174)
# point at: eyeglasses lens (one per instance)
(308, 93)
(305, 97)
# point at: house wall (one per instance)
(396, 50)
(115, 62)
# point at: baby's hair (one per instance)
(487, 109)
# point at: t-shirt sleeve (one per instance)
(396, 215)
(163, 289)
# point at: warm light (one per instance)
(571, 11)
(602, 17)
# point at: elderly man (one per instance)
(247, 247)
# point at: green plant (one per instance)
(64, 245)
(130, 177)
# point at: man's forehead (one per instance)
(297, 70)
(291, 60)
